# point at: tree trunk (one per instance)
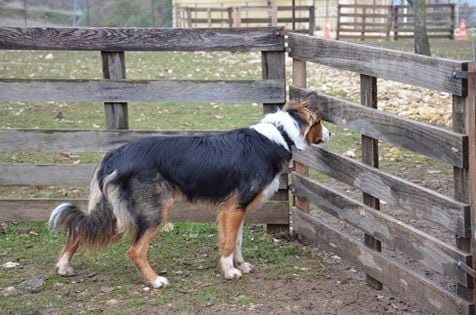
(422, 45)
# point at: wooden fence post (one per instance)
(464, 178)
(471, 129)
(237, 20)
(452, 21)
(273, 67)
(300, 80)
(368, 97)
(312, 20)
(339, 9)
(114, 67)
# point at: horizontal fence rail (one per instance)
(392, 274)
(141, 39)
(77, 140)
(429, 251)
(73, 175)
(427, 139)
(40, 210)
(263, 91)
(428, 72)
(419, 201)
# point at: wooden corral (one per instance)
(451, 258)
(457, 148)
(365, 21)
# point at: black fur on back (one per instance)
(205, 168)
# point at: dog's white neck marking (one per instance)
(269, 125)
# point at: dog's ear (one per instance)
(312, 100)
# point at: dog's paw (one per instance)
(233, 273)
(244, 267)
(159, 282)
(65, 271)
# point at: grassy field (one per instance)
(187, 255)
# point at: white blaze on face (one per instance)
(326, 135)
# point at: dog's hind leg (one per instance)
(153, 219)
(138, 254)
(229, 221)
(63, 264)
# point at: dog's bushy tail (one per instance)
(94, 229)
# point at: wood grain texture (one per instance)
(427, 294)
(416, 200)
(273, 67)
(461, 188)
(141, 39)
(471, 130)
(40, 210)
(368, 97)
(428, 72)
(430, 251)
(265, 91)
(58, 175)
(426, 139)
(114, 68)
(77, 140)
(300, 80)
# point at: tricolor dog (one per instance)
(135, 186)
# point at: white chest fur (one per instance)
(272, 188)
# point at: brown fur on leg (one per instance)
(229, 221)
(64, 259)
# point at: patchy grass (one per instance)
(107, 281)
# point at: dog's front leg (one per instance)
(238, 260)
(229, 221)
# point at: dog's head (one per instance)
(308, 118)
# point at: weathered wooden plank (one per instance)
(419, 289)
(265, 91)
(416, 200)
(461, 188)
(431, 252)
(300, 79)
(72, 175)
(40, 210)
(429, 72)
(141, 39)
(368, 97)
(114, 68)
(77, 140)
(470, 124)
(427, 139)
(273, 67)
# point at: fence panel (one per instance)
(115, 91)
(454, 214)
(366, 21)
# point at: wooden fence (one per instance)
(250, 16)
(360, 21)
(115, 91)
(455, 147)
